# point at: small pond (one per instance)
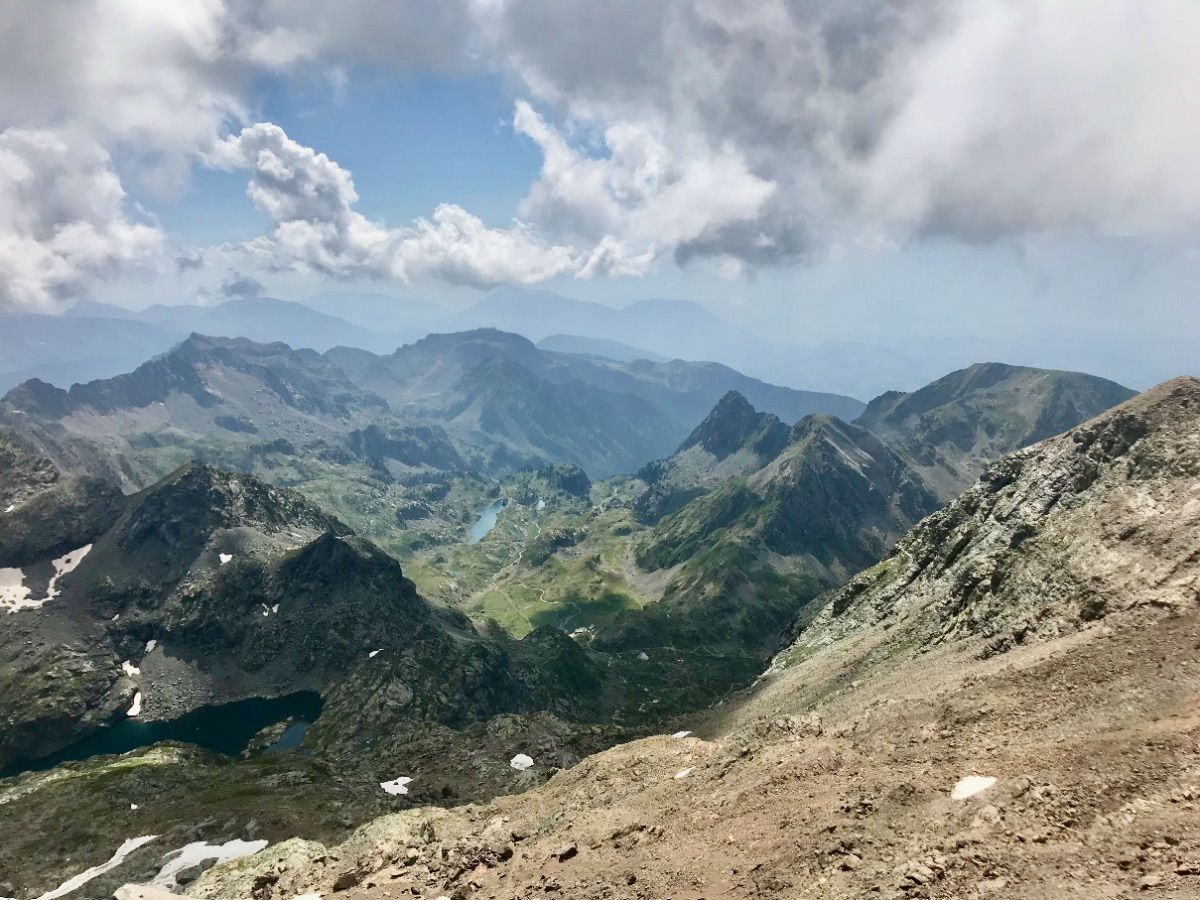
(486, 521)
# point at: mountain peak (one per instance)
(734, 425)
(951, 428)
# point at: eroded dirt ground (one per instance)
(833, 780)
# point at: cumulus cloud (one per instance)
(310, 201)
(642, 199)
(64, 222)
(749, 132)
(163, 79)
(883, 120)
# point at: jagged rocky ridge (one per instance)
(1052, 537)
(484, 400)
(734, 439)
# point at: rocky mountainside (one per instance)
(1051, 538)
(44, 514)
(210, 587)
(222, 399)
(734, 439)
(744, 558)
(833, 494)
(1005, 707)
(951, 429)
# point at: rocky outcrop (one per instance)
(734, 439)
(838, 494)
(834, 494)
(44, 514)
(735, 425)
(1052, 537)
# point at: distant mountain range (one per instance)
(62, 350)
(585, 346)
(489, 382)
(99, 340)
(485, 396)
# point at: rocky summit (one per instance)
(952, 428)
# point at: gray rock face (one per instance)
(44, 514)
(1053, 536)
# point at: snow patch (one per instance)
(680, 735)
(73, 884)
(642, 656)
(15, 594)
(10, 507)
(275, 608)
(541, 504)
(130, 669)
(150, 645)
(65, 565)
(971, 785)
(520, 762)
(683, 773)
(266, 609)
(224, 557)
(197, 852)
(136, 708)
(374, 653)
(133, 806)
(396, 787)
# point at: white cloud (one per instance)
(749, 132)
(879, 120)
(64, 222)
(310, 201)
(1026, 116)
(155, 79)
(643, 199)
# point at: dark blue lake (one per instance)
(226, 729)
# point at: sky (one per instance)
(869, 170)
